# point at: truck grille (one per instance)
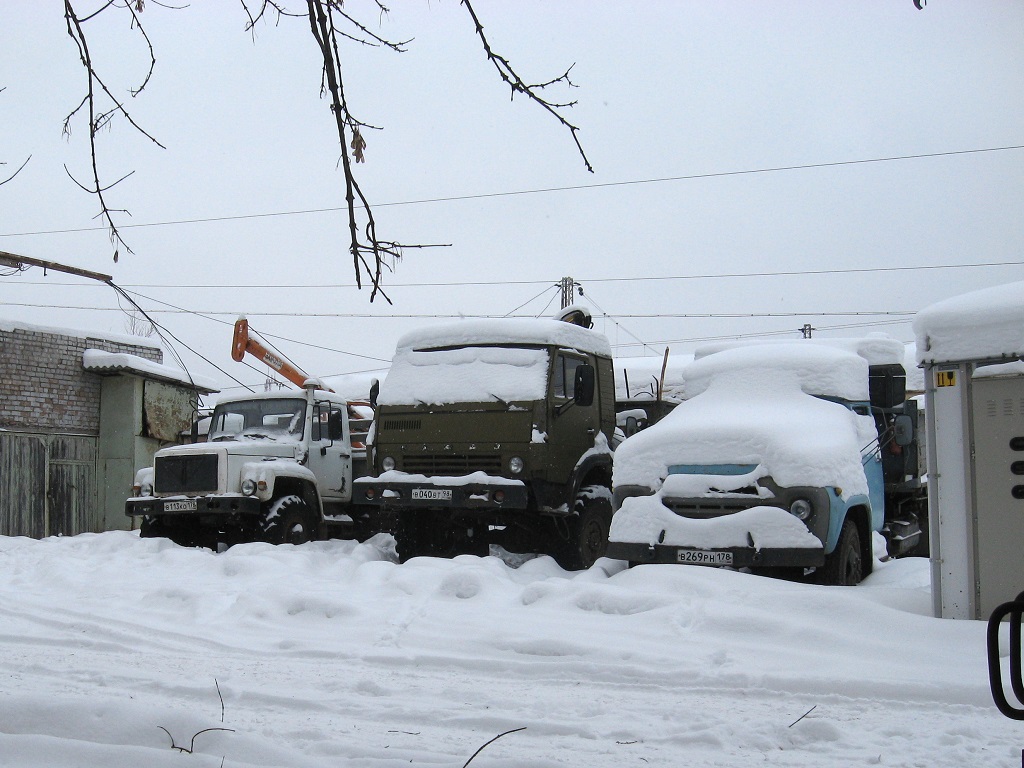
(452, 463)
(704, 508)
(186, 474)
(401, 424)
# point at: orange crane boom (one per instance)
(242, 343)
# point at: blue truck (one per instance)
(785, 456)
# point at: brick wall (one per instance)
(43, 386)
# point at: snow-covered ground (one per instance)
(332, 654)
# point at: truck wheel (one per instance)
(184, 533)
(152, 528)
(410, 536)
(288, 521)
(845, 566)
(588, 529)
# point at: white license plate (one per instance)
(431, 494)
(703, 557)
(180, 506)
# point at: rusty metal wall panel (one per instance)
(22, 485)
(167, 411)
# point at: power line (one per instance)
(646, 278)
(540, 190)
(758, 334)
(211, 315)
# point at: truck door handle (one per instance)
(591, 431)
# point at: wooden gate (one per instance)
(47, 484)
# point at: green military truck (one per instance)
(497, 432)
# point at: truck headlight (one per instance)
(146, 489)
(801, 509)
(387, 463)
(248, 486)
(515, 465)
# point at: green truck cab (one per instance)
(496, 432)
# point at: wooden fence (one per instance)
(47, 484)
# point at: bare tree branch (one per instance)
(97, 119)
(518, 85)
(20, 167)
(328, 21)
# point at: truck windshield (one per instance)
(462, 374)
(270, 419)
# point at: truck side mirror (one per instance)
(887, 385)
(903, 430)
(335, 426)
(374, 392)
(584, 384)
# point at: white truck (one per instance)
(784, 456)
(276, 467)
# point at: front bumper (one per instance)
(183, 506)
(742, 557)
(419, 492)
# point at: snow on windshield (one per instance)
(985, 324)
(270, 418)
(751, 416)
(466, 374)
(481, 360)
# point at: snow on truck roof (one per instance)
(478, 360)
(982, 325)
(821, 369)
(507, 331)
(876, 348)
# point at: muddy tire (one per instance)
(182, 532)
(288, 520)
(845, 566)
(410, 536)
(588, 529)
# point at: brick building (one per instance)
(79, 413)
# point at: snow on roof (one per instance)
(759, 418)
(821, 369)
(876, 348)
(512, 330)
(982, 325)
(139, 341)
(99, 361)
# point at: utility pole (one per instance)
(567, 285)
(22, 262)
(806, 330)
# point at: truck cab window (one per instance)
(563, 378)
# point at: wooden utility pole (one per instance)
(21, 262)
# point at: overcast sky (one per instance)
(682, 233)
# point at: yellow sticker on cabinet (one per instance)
(945, 378)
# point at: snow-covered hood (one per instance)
(751, 428)
(256, 448)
